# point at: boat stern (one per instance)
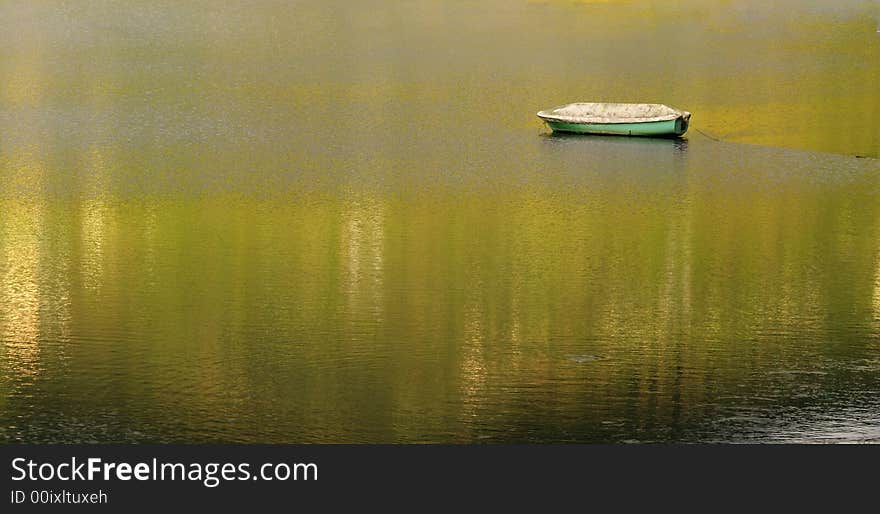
(682, 123)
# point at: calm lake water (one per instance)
(339, 221)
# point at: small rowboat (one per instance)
(616, 118)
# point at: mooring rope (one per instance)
(713, 138)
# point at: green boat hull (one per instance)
(669, 128)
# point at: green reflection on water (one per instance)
(239, 225)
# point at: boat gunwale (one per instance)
(547, 115)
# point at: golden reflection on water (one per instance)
(876, 296)
(93, 215)
(364, 245)
(543, 293)
(473, 368)
(20, 296)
